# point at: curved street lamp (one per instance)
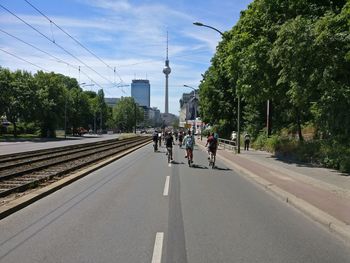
(238, 97)
(201, 24)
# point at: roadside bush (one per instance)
(205, 132)
(344, 165)
(328, 153)
(260, 141)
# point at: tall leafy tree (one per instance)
(126, 113)
(52, 98)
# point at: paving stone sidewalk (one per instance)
(325, 189)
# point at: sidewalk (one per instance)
(322, 194)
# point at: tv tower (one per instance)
(166, 71)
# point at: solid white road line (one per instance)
(158, 246)
(166, 186)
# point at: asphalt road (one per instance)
(125, 213)
(25, 146)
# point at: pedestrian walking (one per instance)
(246, 141)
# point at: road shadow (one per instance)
(198, 166)
(175, 162)
(159, 151)
(221, 169)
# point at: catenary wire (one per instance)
(47, 53)
(75, 40)
(24, 60)
(54, 43)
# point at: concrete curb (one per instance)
(26, 200)
(329, 222)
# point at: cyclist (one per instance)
(181, 137)
(212, 144)
(189, 144)
(169, 142)
(155, 140)
(160, 138)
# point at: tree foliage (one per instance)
(295, 54)
(48, 100)
(126, 114)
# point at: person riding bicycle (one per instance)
(189, 144)
(212, 144)
(155, 139)
(181, 137)
(160, 138)
(169, 142)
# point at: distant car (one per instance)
(81, 131)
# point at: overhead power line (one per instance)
(43, 51)
(47, 53)
(74, 39)
(54, 42)
(24, 60)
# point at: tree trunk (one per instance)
(301, 139)
(14, 129)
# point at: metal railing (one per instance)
(228, 144)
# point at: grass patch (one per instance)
(10, 137)
(328, 153)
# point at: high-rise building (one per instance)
(111, 102)
(141, 92)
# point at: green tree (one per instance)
(124, 114)
(293, 54)
(18, 96)
(331, 74)
(51, 96)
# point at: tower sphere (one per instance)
(166, 70)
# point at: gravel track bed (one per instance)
(27, 165)
(24, 178)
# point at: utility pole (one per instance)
(135, 116)
(268, 118)
(95, 122)
(101, 121)
(238, 124)
(65, 118)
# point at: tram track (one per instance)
(29, 170)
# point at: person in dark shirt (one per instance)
(169, 142)
(212, 144)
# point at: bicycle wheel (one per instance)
(169, 157)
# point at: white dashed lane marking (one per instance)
(158, 246)
(166, 186)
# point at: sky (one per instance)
(118, 41)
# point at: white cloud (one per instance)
(130, 37)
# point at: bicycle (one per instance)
(189, 156)
(212, 158)
(155, 146)
(169, 154)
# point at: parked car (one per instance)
(81, 131)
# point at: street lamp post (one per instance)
(65, 118)
(238, 97)
(200, 24)
(195, 108)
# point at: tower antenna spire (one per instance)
(166, 71)
(167, 45)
